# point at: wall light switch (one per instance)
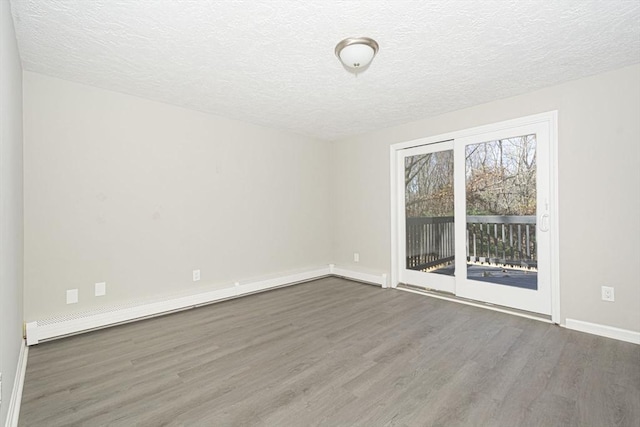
(196, 275)
(101, 289)
(72, 296)
(356, 257)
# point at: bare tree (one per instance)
(429, 184)
(501, 177)
(500, 180)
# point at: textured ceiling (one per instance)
(271, 62)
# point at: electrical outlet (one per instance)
(196, 275)
(72, 296)
(607, 294)
(101, 289)
(356, 257)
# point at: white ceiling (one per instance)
(271, 62)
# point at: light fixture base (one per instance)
(356, 53)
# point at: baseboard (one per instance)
(603, 330)
(109, 316)
(79, 322)
(376, 279)
(16, 394)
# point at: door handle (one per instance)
(544, 223)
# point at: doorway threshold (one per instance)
(451, 297)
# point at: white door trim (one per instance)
(550, 118)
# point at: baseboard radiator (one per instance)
(56, 327)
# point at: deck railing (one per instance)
(430, 242)
(498, 240)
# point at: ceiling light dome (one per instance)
(356, 53)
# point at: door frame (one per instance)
(551, 119)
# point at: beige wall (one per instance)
(11, 239)
(138, 194)
(599, 189)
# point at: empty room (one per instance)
(319, 213)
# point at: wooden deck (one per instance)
(521, 278)
(499, 249)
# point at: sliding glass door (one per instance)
(476, 217)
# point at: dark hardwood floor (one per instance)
(334, 353)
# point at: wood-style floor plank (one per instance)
(333, 353)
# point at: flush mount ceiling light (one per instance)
(356, 53)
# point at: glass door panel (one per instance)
(500, 184)
(428, 211)
(502, 192)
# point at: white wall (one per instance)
(599, 189)
(10, 205)
(139, 193)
